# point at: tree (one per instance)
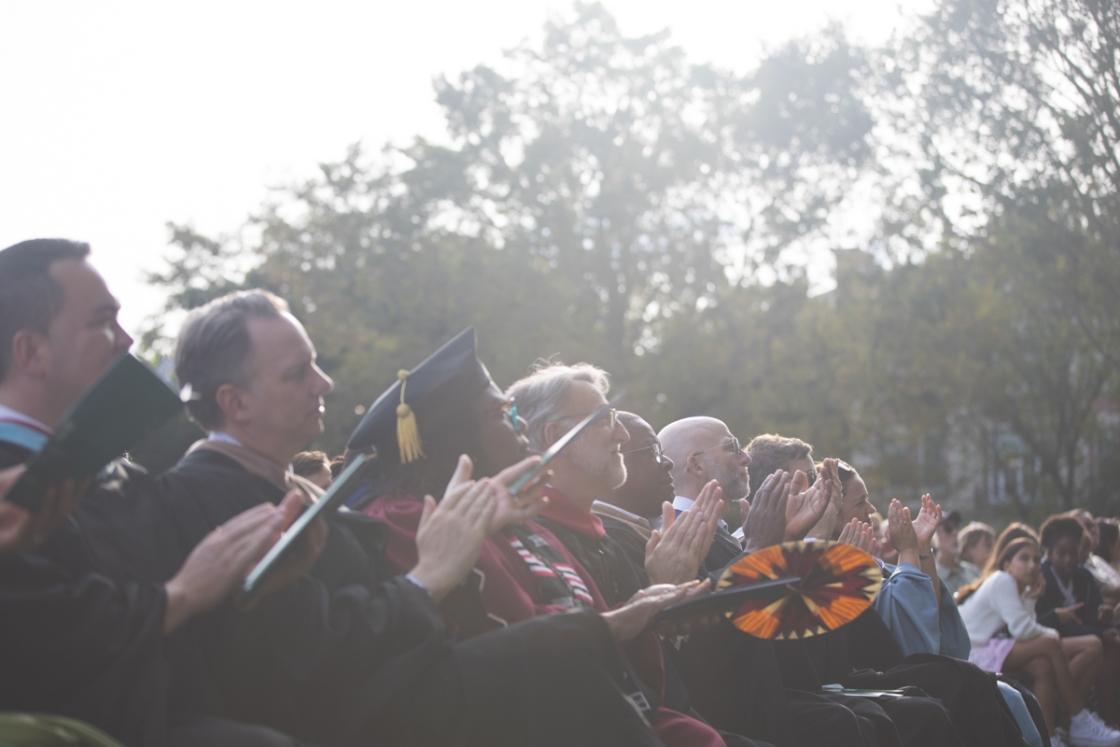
(592, 192)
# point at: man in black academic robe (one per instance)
(80, 637)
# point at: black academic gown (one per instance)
(350, 652)
(619, 576)
(733, 678)
(81, 623)
(75, 643)
(864, 655)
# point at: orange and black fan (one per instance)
(789, 591)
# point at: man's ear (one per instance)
(31, 354)
(553, 432)
(694, 465)
(231, 402)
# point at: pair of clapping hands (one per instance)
(787, 508)
(451, 534)
(911, 537)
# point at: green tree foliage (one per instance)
(591, 190)
(599, 197)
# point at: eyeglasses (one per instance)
(733, 446)
(658, 452)
(611, 419)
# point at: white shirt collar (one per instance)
(7, 413)
(224, 438)
(680, 503)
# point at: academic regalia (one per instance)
(83, 631)
(354, 652)
(83, 647)
(863, 655)
(616, 563)
(733, 678)
(526, 573)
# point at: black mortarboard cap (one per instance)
(395, 421)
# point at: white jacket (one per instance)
(998, 603)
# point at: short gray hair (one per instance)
(214, 348)
(542, 395)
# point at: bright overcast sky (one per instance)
(116, 118)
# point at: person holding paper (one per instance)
(79, 636)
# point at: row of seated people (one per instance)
(1068, 644)
(478, 618)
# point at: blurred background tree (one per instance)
(598, 197)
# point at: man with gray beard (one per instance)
(552, 400)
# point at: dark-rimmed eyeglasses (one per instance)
(658, 452)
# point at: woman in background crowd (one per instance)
(977, 542)
(1003, 600)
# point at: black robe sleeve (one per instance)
(83, 647)
(324, 656)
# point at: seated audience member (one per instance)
(739, 699)
(1001, 600)
(446, 407)
(974, 700)
(315, 466)
(770, 453)
(550, 400)
(1072, 605)
(952, 569)
(909, 721)
(977, 541)
(357, 651)
(82, 635)
(919, 622)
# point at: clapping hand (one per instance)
(929, 518)
(807, 507)
(451, 533)
(674, 553)
(765, 522)
(904, 537)
(861, 535)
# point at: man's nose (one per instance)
(326, 383)
(744, 458)
(124, 340)
(620, 434)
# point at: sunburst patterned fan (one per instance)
(836, 584)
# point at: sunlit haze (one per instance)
(120, 117)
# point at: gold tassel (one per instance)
(408, 435)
